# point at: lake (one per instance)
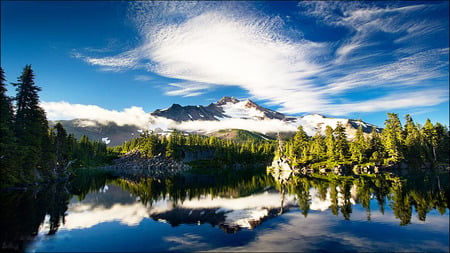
(237, 211)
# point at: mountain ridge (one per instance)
(226, 113)
(216, 111)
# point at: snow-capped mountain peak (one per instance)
(226, 107)
(227, 113)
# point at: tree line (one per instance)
(177, 145)
(31, 150)
(418, 146)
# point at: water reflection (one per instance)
(422, 190)
(277, 201)
(24, 213)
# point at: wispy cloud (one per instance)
(422, 98)
(187, 89)
(207, 44)
(143, 78)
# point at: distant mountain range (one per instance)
(227, 118)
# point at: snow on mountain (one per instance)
(227, 113)
(225, 108)
(241, 110)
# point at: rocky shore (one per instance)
(134, 165)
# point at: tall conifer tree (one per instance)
(7, 173)
(392, 138)
(413, 148)
(31, 126)
(340, 143)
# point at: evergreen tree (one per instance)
(31, 126)
(375, 149)
(7, 170)
(443, 147)
(171, 144)
(441, 142)
(340, 142)
(329, 142)
(392, 138)
(301, 145)
(318, 148)
(61, 147)
(359, 146)
(413, 150)
(430, 140)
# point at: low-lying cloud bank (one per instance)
(137, 116)
(65, 111)
(262, 126)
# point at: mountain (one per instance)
(226, 107)
(228, 118)
(248, 115)
(240, 135)
(108, 132)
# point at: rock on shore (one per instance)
(135, 165)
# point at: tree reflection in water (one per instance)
(25, 213)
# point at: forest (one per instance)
(31, 151)
(417, 146)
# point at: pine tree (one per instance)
(430, 140)
(443, 142)
(7, 170)
(31, 126)
(61, 147)
(318, 148)
(301, 145)
(359, 146)
(329, 142)
(413, 150)
(340, 142)
(375, 149)
(171, 144)
(392, 138)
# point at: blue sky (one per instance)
(342, 59)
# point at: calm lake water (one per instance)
(232, 212)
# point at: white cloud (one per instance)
(217, 47)
(66, 111)
(137, 116)
(411, 99)
(207, 44)
(186, 89)
(86, 215)
(262, 126)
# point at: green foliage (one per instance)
(418, 146)
(340, 143)
(30, 126)
(220, 151)
(301, 145)
(8, 174)
(392, 139)
(31, 151)
(359, 147)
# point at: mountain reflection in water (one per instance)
(247, 208)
